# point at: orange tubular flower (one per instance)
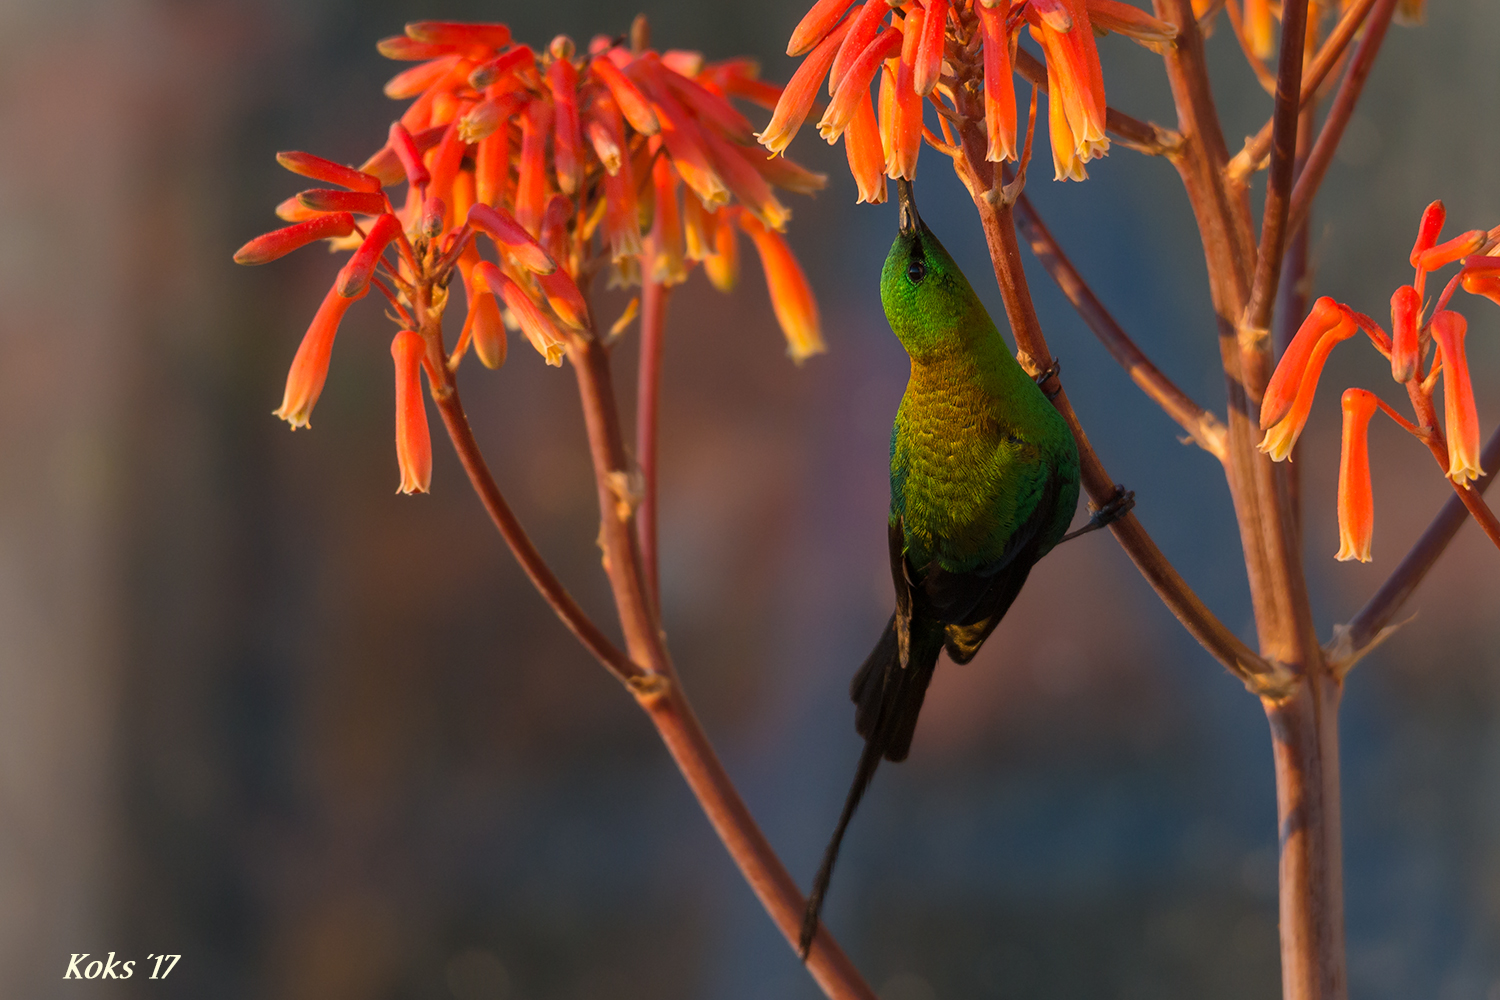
(304, 382)
(1406, 358)
(866, 157)
(1282, 435)
(999, 86)
(1326, 314)
(413, 443)
(1481, 276)
(1460, 418)
(1356, 499)
(906, 104)
(854, 89)
(929, 63)
(1075, 91)
(797, 99)
(791, 295)
(543, 153)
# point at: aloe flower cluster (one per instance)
(1419, 352)
(566, 162)
(913, 51)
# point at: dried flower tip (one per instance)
(1406, 359)
(562, 47)
(494, 36)
(354, 280)
(631, 102)
(482, 120)
(791, 295)
(604, 145)
(320, 169)
(433, 210)
(406, 151)
(519, 58)
(413, 442)
(1460, 416)
(330, 200)
(1356, 499)
(264, 249)
(1456, 248)
(405, 49)
(1428, 229)
(534, 323)
(304, 382)
(511, 239)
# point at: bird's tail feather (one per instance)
(889, 698)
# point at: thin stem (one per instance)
(660, 693)
(1351, 642)
(1274, 227)
(1133, 133)
(540, 574)
(648, 395)
(999, 231)
(1340, 111)
(1436, 443)
(1204, 428)
(1251, 158)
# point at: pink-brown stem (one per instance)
(647, 409)
(1340, 112)
(1202, 426)
(660, 693)
(1252, 157)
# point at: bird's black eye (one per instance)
(916, 271)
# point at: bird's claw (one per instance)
(1052, 370)
(1115, 508)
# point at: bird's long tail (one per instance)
(888, 697)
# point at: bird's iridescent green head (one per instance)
(928, 301)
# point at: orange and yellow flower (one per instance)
(557, 157)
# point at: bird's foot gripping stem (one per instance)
(1117, 507)
(1041, 377)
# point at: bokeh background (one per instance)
(324, 741)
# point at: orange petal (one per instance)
(327, 171)
(519, 58)
(496, 36)
(491, 169)
(354, 280)
(723, 265)
(708, 107)
(567, 144)
(409, 49)
(1282, 436)
(540, 330)
(264, 249)
(510, 239)
(1282, 389)
(999, 86)
(1406, 357)
(1481, 276)
(531, 179)
(733, 164)
(413, 443)
(1428, 229)
(486, 330)
(1356, 499)
(866, 158)
(1460, 417)
(406, 151)
(409, 83)
(815, 26)
(686, 143)
(628, 97)
(1446, 253)
(929, 64)
(791, 296)
(800, 93)
(863, 27)
(310, 367)
(856, 84)
(667, 264)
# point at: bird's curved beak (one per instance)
(909, 221)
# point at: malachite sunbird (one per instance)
(984, 481)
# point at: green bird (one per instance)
(984, 482)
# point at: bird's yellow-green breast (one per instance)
(976, 445)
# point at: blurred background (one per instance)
(324, 741)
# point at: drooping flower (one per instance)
(543, 153)
(1288, 399)
(1356, 499)
(923, 52)
(1460, 417)
(791, 295)
(413, 442)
